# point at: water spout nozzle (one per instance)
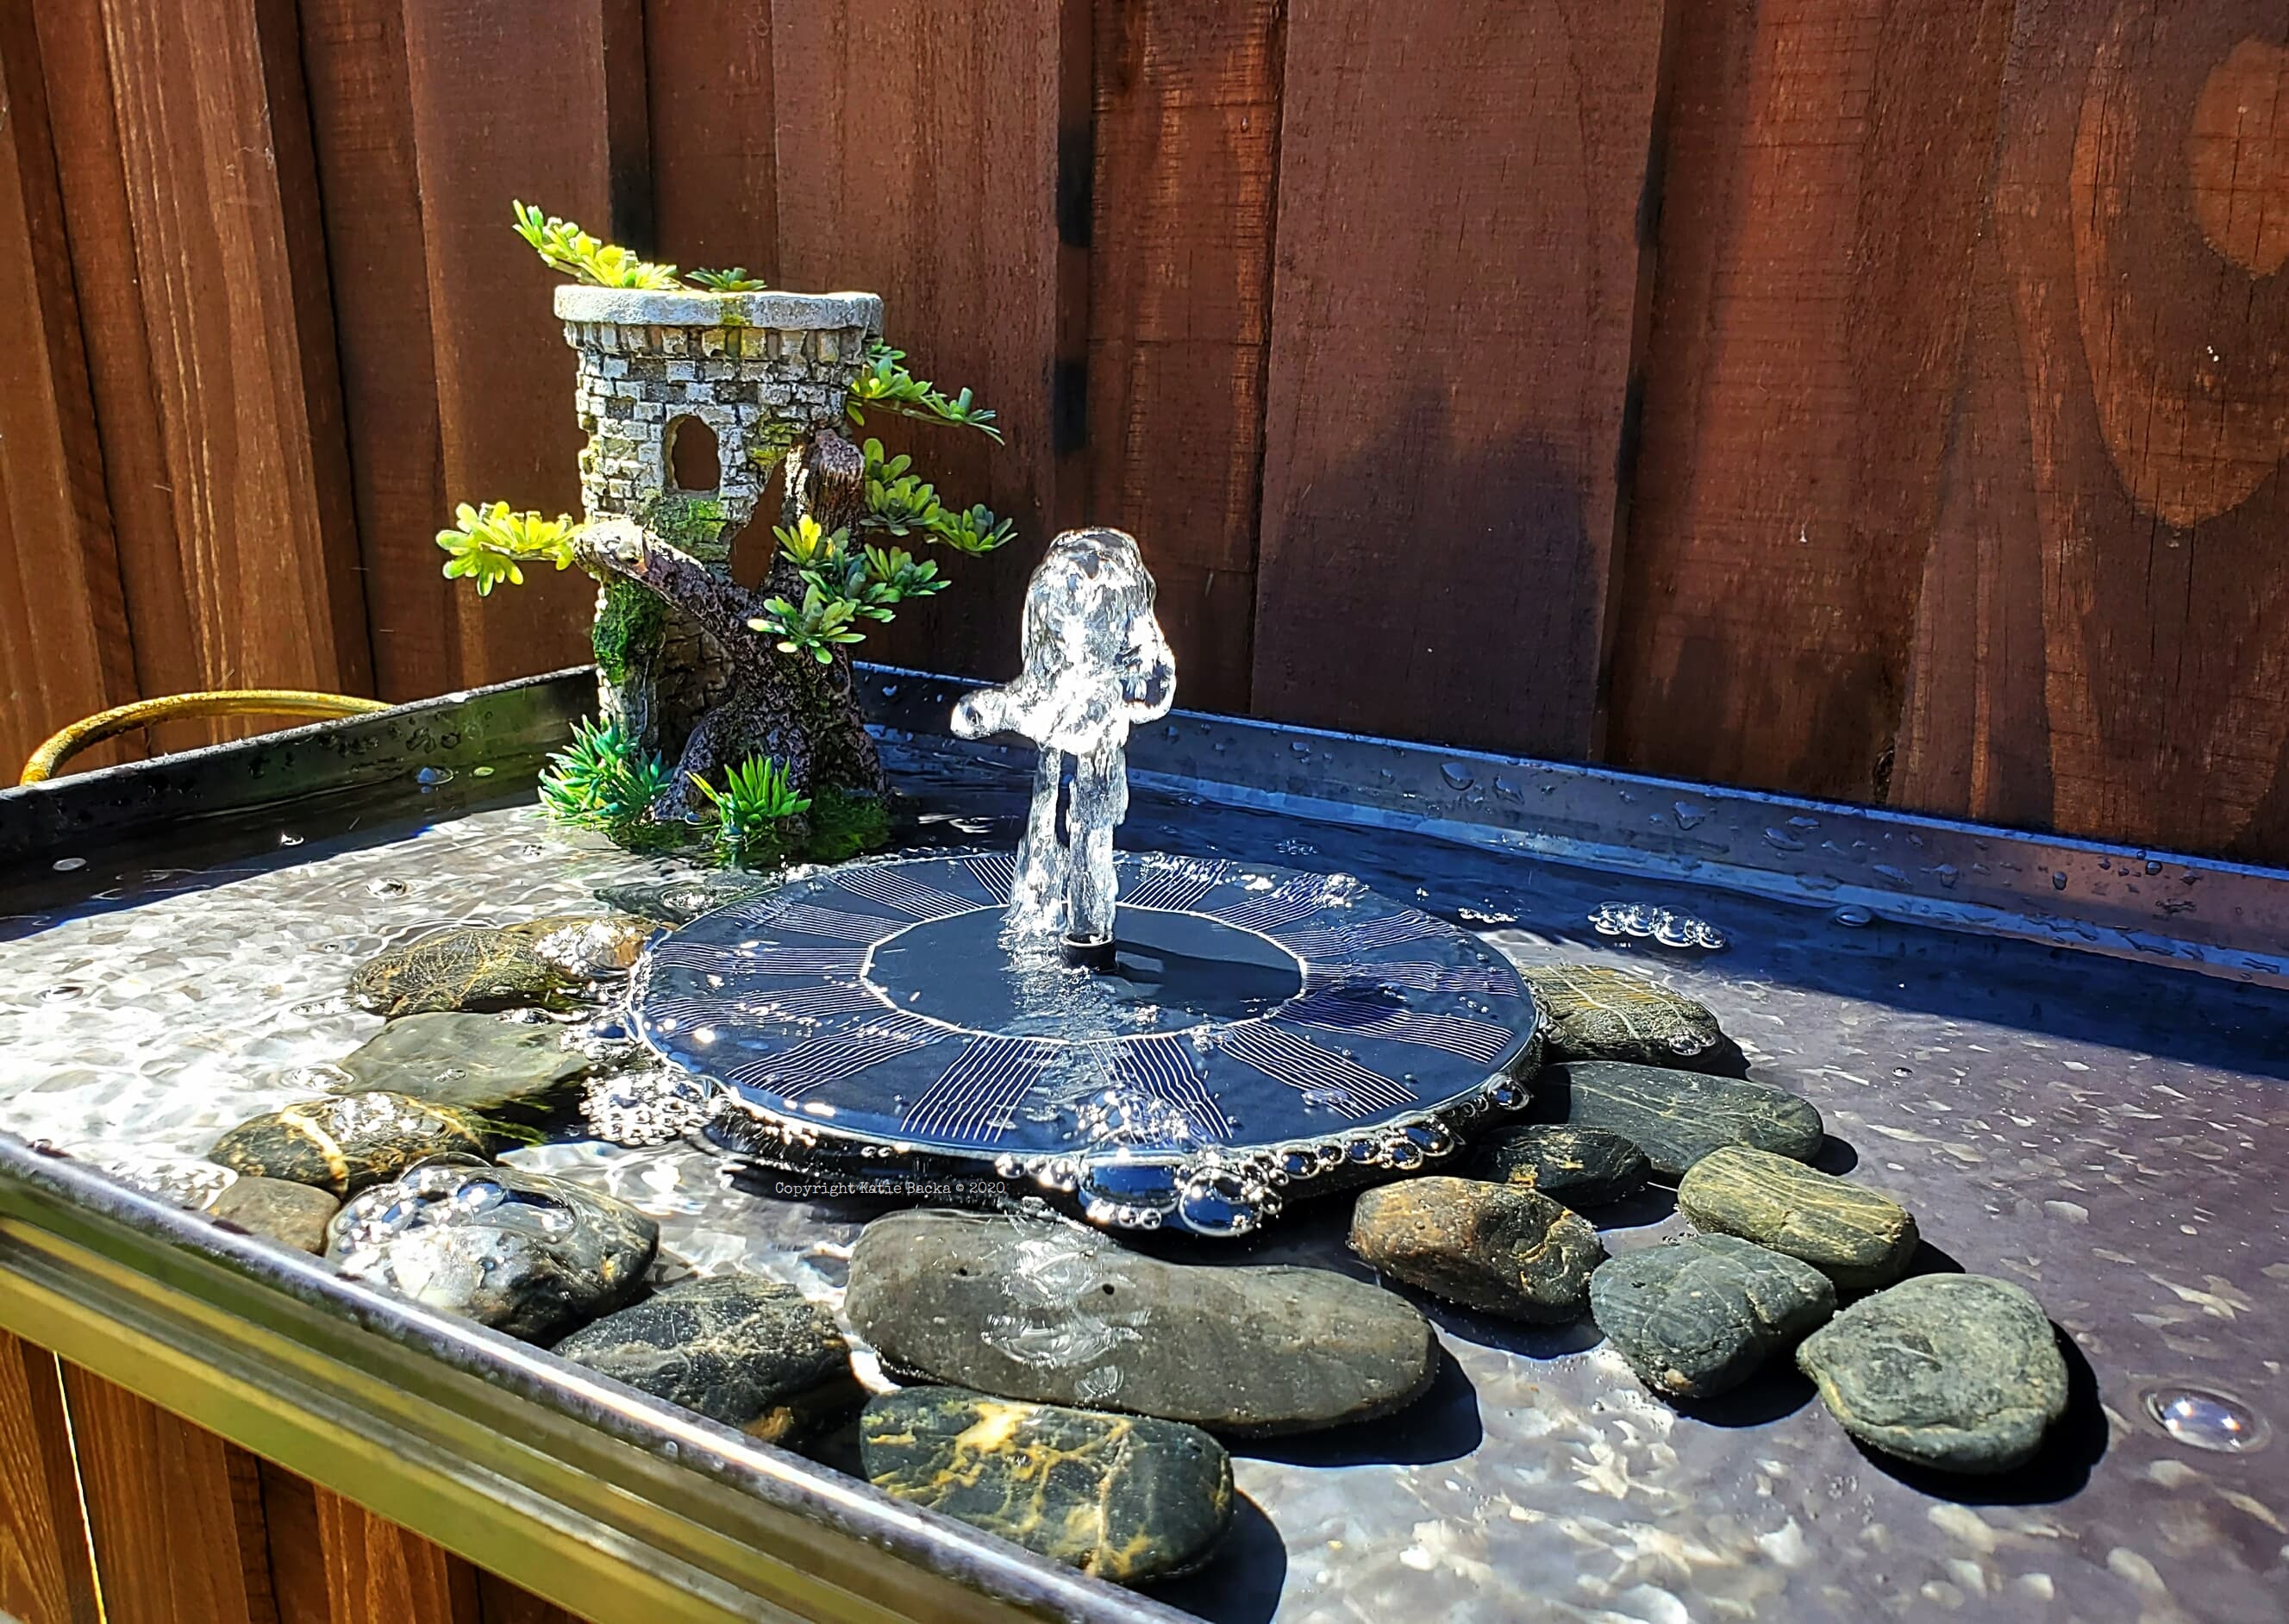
(1089, 953)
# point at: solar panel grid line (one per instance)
(911, 897)
(1455, 1034)
(996, 870)
(1289, 904)
(1412, 976)
(829, 1058)
(1174, 887)
(1162, 1068)
(811, 921)
(976, 1097)
(1287, 1057)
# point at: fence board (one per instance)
(47, 1575)
(1187, 138)
(917, 157)
(553, 126)
(714, 165)
(175, 1513)
(361, 116)
(213, 137)
(1454, 304)
(65, 649)
(1826, 168)
(2140, 223)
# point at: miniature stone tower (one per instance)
(760, 373)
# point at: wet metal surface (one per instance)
(2107, 1131)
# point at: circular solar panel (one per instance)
(1261, 1030)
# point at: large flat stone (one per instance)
(1597, 1013)
(1515, 1252)
(1855, 1235)
(1033, 1308)
(1123, 1497)
(1957, 1371)
(1699, 1315)
(478, 1061)
(345, 1143)
(750, 1352)
(1677, 1118)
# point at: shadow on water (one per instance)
(1650, 1204)
(1241, 1583)
(1442, 1425)
(1835, 1158)
(2070, 1449)
(1511, 1336)
(1777, 1391)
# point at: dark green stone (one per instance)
(344, 1143)
(1699, 1315)
(1956, 1371)
(1576, 1166)
(1854, 1236)
(749, 1352)
(523, 1253)
(478, 1061)
(1124, 1497)
(1504, 1251)
(1027, 1307)
(1596, 1013)
(679, 902)
(546, 962)
(276, 1209)
(1677, 1118)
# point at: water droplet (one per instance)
(890, 691)
(1781, 840)
(2202, 1418)
(1854, 917)
(386, 888)
(2152, 867)
(1946, 873)
(1456, 775)
(2058, 879)
(64, 991)
(290, 840)
(64, 865)
(430, 777)
(1299, 747)
(480, 772)
(1688, 815)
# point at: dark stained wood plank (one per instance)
(558, 124)
(361, 124)
(715, 167)
(1455, 300)
(47, 1572)
(64, 648)
(503, 1602)
(2140, 191)
(1824, 176)
(1180, 306)
(918, 153)
(230, 263)
(175, 1513)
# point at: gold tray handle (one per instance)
(70, 741)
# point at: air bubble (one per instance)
(64, 865)
(388, 888)
(1854, 917)
(432, 777)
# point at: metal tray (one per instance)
(2067, 1058)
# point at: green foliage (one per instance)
(751, 811)
(563, 246)
(885, 382)
(843, 823)
(816, 626)
(840, 586)
(627, 622)
(734, 281)
(488, 544)
(602, 780)
(898, 503)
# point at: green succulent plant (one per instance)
(488, 543)
(751, 812)
(734, 281)
(565, 247)
(602, 780)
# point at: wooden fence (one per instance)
(1881, 399)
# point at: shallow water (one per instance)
(2104, 1133)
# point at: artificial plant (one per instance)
(783, 748)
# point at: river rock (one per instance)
(1501, 1250)
(276, 1209)
(546, 962)
(680, 900)
(1596, 1013)
(521, 1252)
(1853, 1235)
(343, 1144)
(1953, 1370)
(476, 1061)
(1576, 1166)
(1124, 1497)
(747, 1352)
(1677, 1118)
(1026, 1307)
(1699, 1315)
